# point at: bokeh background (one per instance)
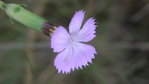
(122, 43)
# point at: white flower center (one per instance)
(73, 39)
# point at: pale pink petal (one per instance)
(87, 32)
(74, 57)
(83, 55)
(76, 22)
(63, 60)
(59, 39)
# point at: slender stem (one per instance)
(2, 5)
(29, 19)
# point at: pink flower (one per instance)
(73, 53)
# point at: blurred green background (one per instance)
(122, 43)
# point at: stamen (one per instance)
(48, 29)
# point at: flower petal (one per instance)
(59, 39)
(83, 53)
(62, 61)
(76, 22)
(87, 32)
(74, 57)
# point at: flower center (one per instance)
(72, 40)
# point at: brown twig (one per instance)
(141, 13)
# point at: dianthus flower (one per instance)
(73, 52)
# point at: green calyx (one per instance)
(23, 16)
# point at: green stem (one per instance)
(23, 16)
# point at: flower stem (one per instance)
(26, 17)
